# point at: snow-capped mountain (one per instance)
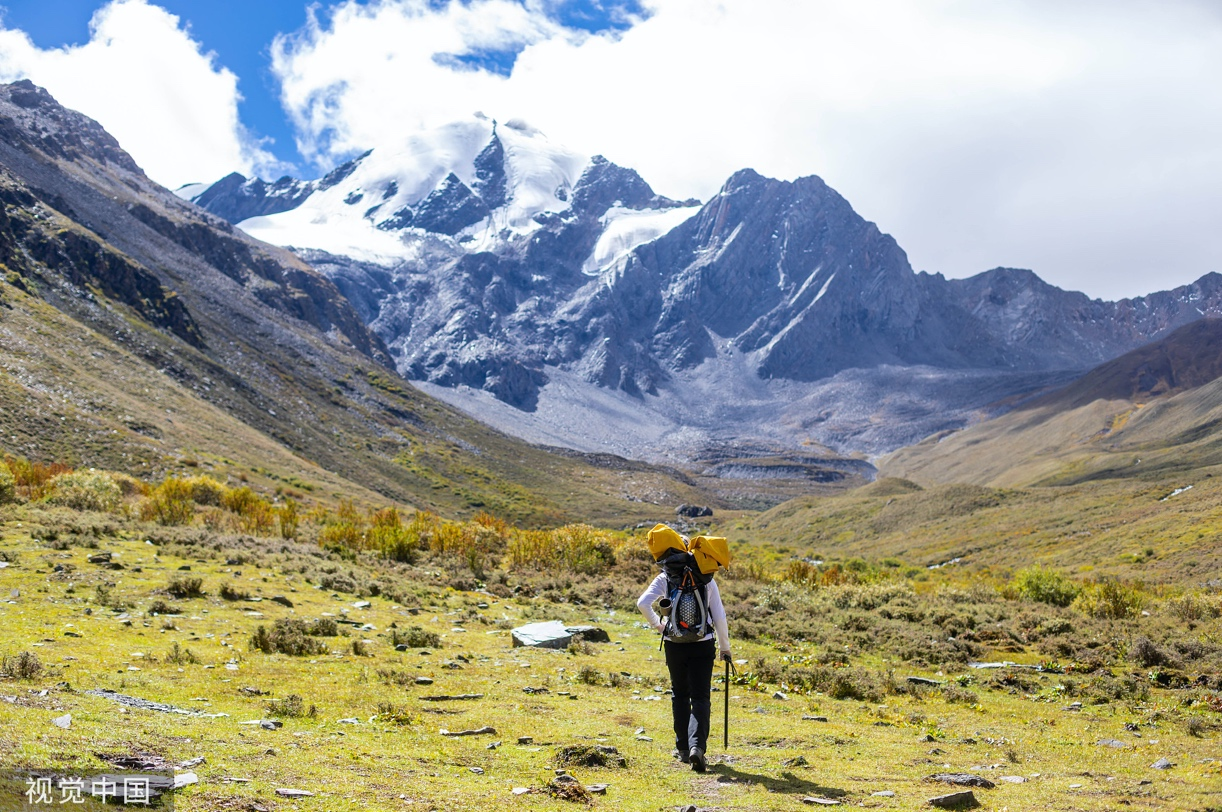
(484, 185)
(491, 260)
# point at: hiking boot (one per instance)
(682, 756)
(697, 759)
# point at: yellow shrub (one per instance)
(170, 503)
(206, 491)
(576, 547)
(84, 490)
(1111, 600)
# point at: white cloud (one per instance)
(1081, 140)
(150, 85)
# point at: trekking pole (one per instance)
(726, 740)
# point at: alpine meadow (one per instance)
(335, 493)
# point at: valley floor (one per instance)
(820, 714)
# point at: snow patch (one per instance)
(626, 229)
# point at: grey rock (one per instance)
(781, 696)
(955, 800)
(923, 681)
(1162, 764)
(820, 801)
(808, 718)
(286, 792)
(1012, 779)
(424, 680)
(554, 634)
(885, 793)
(475, 732)
(1115, 743)
(597, 789)
(283, 601)
(962, 780)
(64, 722)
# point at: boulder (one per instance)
(554, 634)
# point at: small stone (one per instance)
(644, 738)
(493, 746)
(349, 721)
(1075, 786)
(285, 792)
(955, 800)
(1162, 764)
(520, 790)
(192, 762)
(886, 793)
(814, 718)
(476, 770)
(525, 739)
(424, 680)
(270, 724)
(283, 601)
(597, 789)
(796, 761)
(927, 738)
(1116, 743)
(401, 647)
(820, 801)
(1012, 779)
(185, 780)
(64, 721)
(362, 605)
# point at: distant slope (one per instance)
(1152, 411)
(140, 333)
(1102, 528)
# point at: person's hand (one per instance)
(725, 656)
(659, 627)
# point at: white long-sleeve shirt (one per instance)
(657, 589)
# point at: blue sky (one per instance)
(241, 32)
(1081, 140)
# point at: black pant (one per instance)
(691, 671)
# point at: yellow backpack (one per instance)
(711, 552)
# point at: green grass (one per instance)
(814, 645)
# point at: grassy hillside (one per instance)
(1137, 530)
(821, 707)
(141, 334)
(1151, 414)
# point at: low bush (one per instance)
(287, 636)
(85, 490)
(180, 656)
(230, 592)
(33, 478)
(169, 504)
(324, 627)
(1045, 585)
(182, 587)
(415, 637)
(8, 485)
(292, 706)
(1111, 600)
(23, 666)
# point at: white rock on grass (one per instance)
(64, 721)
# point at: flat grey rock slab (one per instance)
(554, 634)
(1162, 764)
(64, 721)
(955, 800)
(923, 681)
(479, 731)
(451, 697)
(1116, 743)
(962, 780)
(287, 792)
(1012, 779)
(142, 704)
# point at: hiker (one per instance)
(686, 581)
